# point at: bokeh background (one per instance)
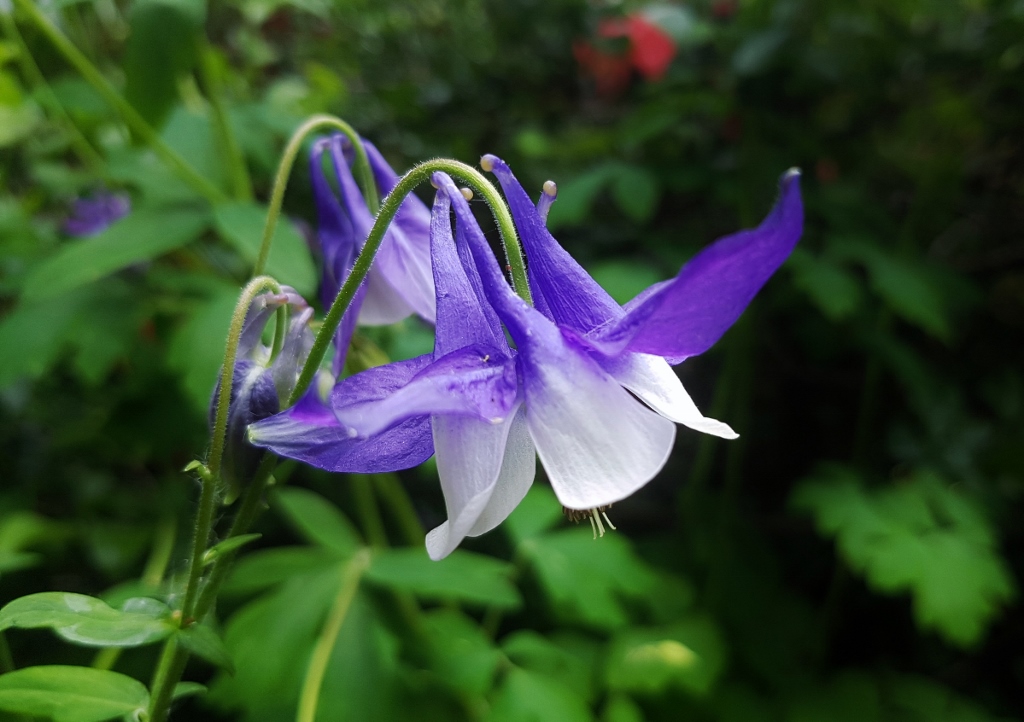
(855, 556)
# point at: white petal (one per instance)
(598, 444)
(381, 305)
(518, 469)
(469, 456)
(656, 384)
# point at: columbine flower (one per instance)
(567, 400)
(261, 384)
(92, 215)
(400, 282)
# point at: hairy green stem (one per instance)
(209, 75)
(284, 170)
(89, 156)
(422, 172)
(128, 113)
(165, 679)
(310, 696)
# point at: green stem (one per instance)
(131, 116)
(213, 88)
(34, 76)
(284, 170)
(388, 209)
(310, 696)
(106, 658)
(252, 289)
(165, 679)
(369, 513)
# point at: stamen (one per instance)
(608, 521)
(467, 193)
(595, 517)
(593, 528)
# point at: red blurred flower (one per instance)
(650, 52)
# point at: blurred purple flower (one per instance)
(400, 282)
(94, 214)
(562, 394)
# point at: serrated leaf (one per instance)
(689, 655)
(461, 576)
(529, 697)
(90, 621)
(919, 536)
(71, 694)
(588, 580)
(140, 236)
(206, 643)
(271, 567)
(317, 520)
(241, 224)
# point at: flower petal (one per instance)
(475, 381)
(310, 433)
(471, 463)
(569, 293)
(656, 384)
(598, 444)
(518, 469)
(685, 316)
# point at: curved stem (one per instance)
(329, 636)
(388, 209)
(284, 170)
(220, 424)
(131, 116)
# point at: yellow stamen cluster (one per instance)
(595, 517)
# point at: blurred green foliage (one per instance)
(855, 555)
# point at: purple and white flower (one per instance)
(566, 391)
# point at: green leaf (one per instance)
(271, 567)
(140, 236)
(161, 47)
(636, 192)
(623, 280)
(89, 621)
(228, 545)
(197, 347)
(689, 655)
(461, 576)
(71, 694)
(32, 336)
(922, 537)
(241, 225)
(576, 197)
(206, 643)
(850, 697)
(530, 697)
(536, 653)
(621, 708)
(317, 520)
(187, 689)
(460, 653)
(537, 512)
(834, 290)
(589, 580)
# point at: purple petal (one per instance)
(90, 216)
(573, 298)
(474, 381)
(310, 433)
(688, 314)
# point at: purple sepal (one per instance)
(309, 432)
(685, 316)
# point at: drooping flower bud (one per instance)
(262, 381)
